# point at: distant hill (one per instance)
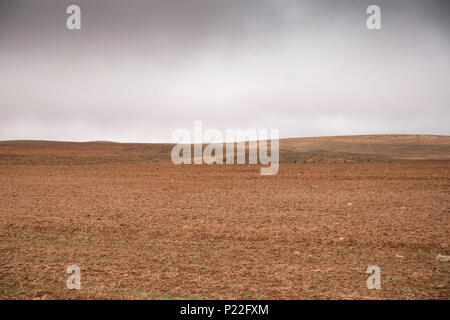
(293, 150)
(372, 147)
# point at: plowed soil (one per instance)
(140, 227)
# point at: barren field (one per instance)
(140, 227)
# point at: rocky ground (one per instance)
(139, 227)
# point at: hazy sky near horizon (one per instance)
(137, 70)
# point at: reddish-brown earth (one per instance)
(140, 227)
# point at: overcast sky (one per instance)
(137, 70)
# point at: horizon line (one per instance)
(165, 142)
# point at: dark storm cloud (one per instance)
(139, 69)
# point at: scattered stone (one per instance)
(349, 203)
(297, 253)
(443, 258)
(208, 206)
(399, 256)
(44, 297)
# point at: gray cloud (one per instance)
(139, 69)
